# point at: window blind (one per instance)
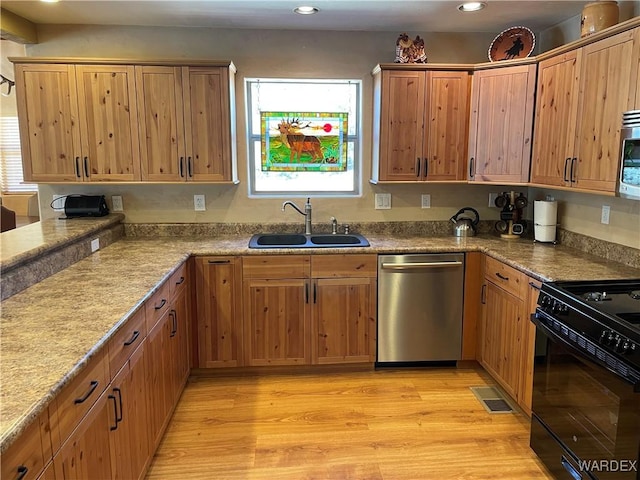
(11, 178)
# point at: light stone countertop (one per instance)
(50, 331)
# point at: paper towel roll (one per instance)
(545, 212)
(545, 233)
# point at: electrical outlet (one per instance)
(116, 203)
(549, 198)
(95, 245)
(383, 201)
(58, 203)
(606, 211)
(426, 201)
(492, 199)
(198, 203)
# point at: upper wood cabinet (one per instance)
(581, 97)
(187, 124)
(77, 122)
(420, 124)
(500, 127)
(126, 122)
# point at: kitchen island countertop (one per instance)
(50, 331)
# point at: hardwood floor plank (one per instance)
(382, 425)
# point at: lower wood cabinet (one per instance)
(26, 458)
(507, 335)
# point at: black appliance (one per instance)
(85, 206)
(586, 384)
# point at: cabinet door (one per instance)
(447, 122)
(402, 125)
(556, 117)
(218, 283)
(528, 340)
(277, 322)
(86, 453)
(161, 122)
(159, 380)
(343, 319)
(608, 84)
(24, 458)
(108, 122)
(207, 123)
(179, 341)
(130, 440)
(500, 353)
(501, 123)
(49, 126)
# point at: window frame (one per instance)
(253, 156)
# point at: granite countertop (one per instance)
(42, 349)
(30, 241)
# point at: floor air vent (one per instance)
(492, 400)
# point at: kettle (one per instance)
(464, 226)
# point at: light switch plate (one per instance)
(116, 203)
(492, 199)
(426, 201)
(606, 211)
(383, 201)
(199, 203)
(95, 245)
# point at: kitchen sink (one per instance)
(315, 240)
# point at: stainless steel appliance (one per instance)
(420, 308)
(629, 181)
(586, 385)
(465, 226)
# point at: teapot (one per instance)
(465, 226)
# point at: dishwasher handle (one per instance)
(406, 266)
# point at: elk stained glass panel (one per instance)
(303, 141)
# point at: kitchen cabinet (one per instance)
(276, 311)
(87, 452)
(78, 123)
(187, 122)
(507, 335)
(502, 319)
(301, 309)
(582, 95)
(500, 126)
(25, 458)
(219, 311)
(420, 124)
(167, 351)
(343, 308)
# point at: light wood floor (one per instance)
(400, 424)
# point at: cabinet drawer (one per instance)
(332, 266)
(157, 305)
(178, 280)
(77, 398)
(276, 266)
(126, 340)
(508, 278)
(24, 459)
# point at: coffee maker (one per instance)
(511, 223)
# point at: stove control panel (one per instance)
(619, 343)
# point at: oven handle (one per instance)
(579, 353)
(570, 468)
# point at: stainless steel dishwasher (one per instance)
(420, 299)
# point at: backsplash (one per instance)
(600, 248)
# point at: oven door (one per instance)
(586, 419)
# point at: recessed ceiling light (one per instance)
(306, 10)
(471, 6)
(49, 1)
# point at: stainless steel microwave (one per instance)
(629, 181)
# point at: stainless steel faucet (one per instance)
(306, 213)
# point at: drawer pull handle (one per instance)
(78, 167)
(181, 167)
(119, 392)
(219, 262)
(86, 167)
(181, 281)
(94, 385)
(483, 294)
(418, 167)
(533, 285)
(22, 472)
(174, 323)
(162, 304)
(315, 293)
(189, 172)
(133, 338)
(502, 277)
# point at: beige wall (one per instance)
(305, 54)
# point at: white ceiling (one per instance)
(417, 16)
